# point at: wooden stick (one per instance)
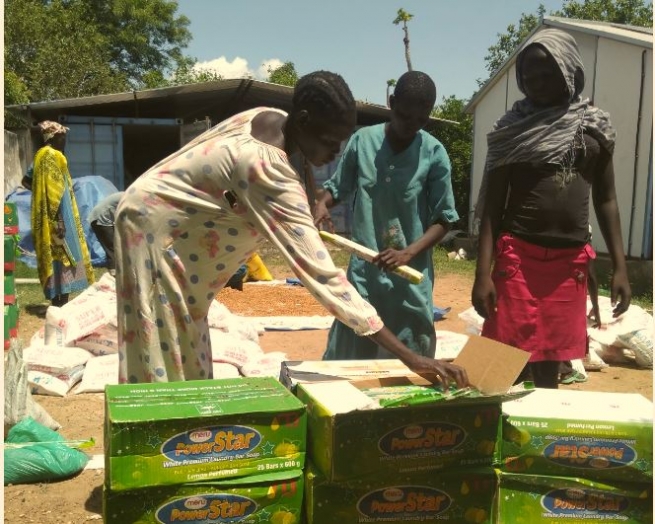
(415, 277)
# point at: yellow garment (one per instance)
(256, 269)
(51, 179)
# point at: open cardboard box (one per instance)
(349, 438)
(492, 368)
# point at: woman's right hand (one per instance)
(483, 296)
(322, 215)
(445, 371)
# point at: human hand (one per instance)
(445, 371)
(390, 259)
(483, 296)
(594, 314)
(322, 216)
(59, 232)
(620, 289)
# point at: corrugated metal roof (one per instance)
(217, 100)
(641, 36)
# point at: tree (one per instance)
(457, 139)
(72, 48)
(285, 75)
(390, 83)
(630, 12)
(142, 35)
(403, 17)
(509, 41)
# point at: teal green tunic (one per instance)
(395, 198)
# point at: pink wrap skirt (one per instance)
(541, 299)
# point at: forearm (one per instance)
(326, 199)
(432, 236)
(610, 226)
(391, 343)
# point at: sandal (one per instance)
(572, 378)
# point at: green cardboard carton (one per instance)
(579, 434)
(273, 498)
(349, 438)
(11, 218)
(10, 288)
(455, 496)
(180, 432)
(10, 252)
(11, 321)
(541, 499)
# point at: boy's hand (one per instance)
(390, 259)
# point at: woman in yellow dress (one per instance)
(63, 260)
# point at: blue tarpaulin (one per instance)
(89, 190)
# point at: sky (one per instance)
(355, 38)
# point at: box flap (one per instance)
(492, 367)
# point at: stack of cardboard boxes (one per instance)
(576, 456)
(11, 303)
(233, 450)
(227, 450)
(543, 457)
(423, 463)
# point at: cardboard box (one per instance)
(492, 367)
(297, 372)
(10, 252)
(274, 498)
(347, 438)
(11, 218)
(10, 288)
(457, 496)
(11, 321)
(579, 433)
(180, 432)
(541, 499)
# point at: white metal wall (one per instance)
(613, 81)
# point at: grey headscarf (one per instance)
(552, 135)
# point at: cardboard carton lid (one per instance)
(492, 367)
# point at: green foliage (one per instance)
(16, 92)
(457, 139)
(71, 48)
(630, 12)
(285, 75)
(402, 17)
(509, 41)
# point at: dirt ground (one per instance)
(79, 499)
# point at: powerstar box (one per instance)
(179, 432)
(10, 252)
(10, 288)
(457, 497)
(309, 371)
(579, 434)
(274, 498)
(11, 218)
(542, 499)
(349, 438)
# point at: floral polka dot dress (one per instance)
(184, 227)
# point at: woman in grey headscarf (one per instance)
(545, 156)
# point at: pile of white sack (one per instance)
(76, 351)
(627, 339)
